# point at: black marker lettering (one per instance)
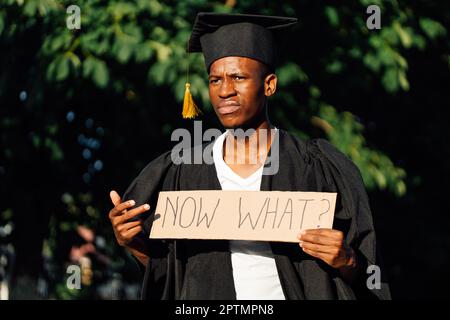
(289, 202)
(205, 216)
(181, 211)
(303, 211)
(320, 215)
(175, 211)
(270, 212)
(248, 214)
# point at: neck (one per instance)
(252, 147)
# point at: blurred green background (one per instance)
(82, 111)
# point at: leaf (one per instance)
(73, 59)
(291, 72)
(432, 28)
(2, 23)
(332, 16)
(179, 88)
(372, 62)
(101, 74)
(30, 8)
(162, 51)
(102, 47)
(88, 41)
(36, 141)
(157, 73)
(404, 36)
(51, 70)
(143, 53)
(88, 66)
(155, 7)
(403, 81)
(386, 56)
(419, 42)
(124, 53)
(401, 61)
(334, 67)
(355, 52)
(122, 9)
(379, 178)
(315, 92)
(62, 69)
(400, 188)
(390, 80)
(390, 36)
(57, 42)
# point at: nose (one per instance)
(226, 89)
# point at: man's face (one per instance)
(236, 90)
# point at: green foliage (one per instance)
(345, 132)
(433, 29)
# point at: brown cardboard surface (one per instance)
(241, 215)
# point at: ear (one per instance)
(270, 84)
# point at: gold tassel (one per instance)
(190, 109)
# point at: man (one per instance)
(240, 58)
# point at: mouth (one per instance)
(228, 107)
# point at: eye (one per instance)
(238, 78)
(213, 81)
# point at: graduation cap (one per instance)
(220, 35)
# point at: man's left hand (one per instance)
(329, 246)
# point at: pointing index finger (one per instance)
(115, 198)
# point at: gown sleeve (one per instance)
(360, 235)
(157, 176)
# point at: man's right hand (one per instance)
(125, 230)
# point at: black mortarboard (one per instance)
(220, 35)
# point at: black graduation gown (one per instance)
(201, 269)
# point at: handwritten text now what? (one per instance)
(241, 215)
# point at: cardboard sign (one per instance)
(241, 215)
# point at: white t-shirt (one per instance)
(254, 270)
